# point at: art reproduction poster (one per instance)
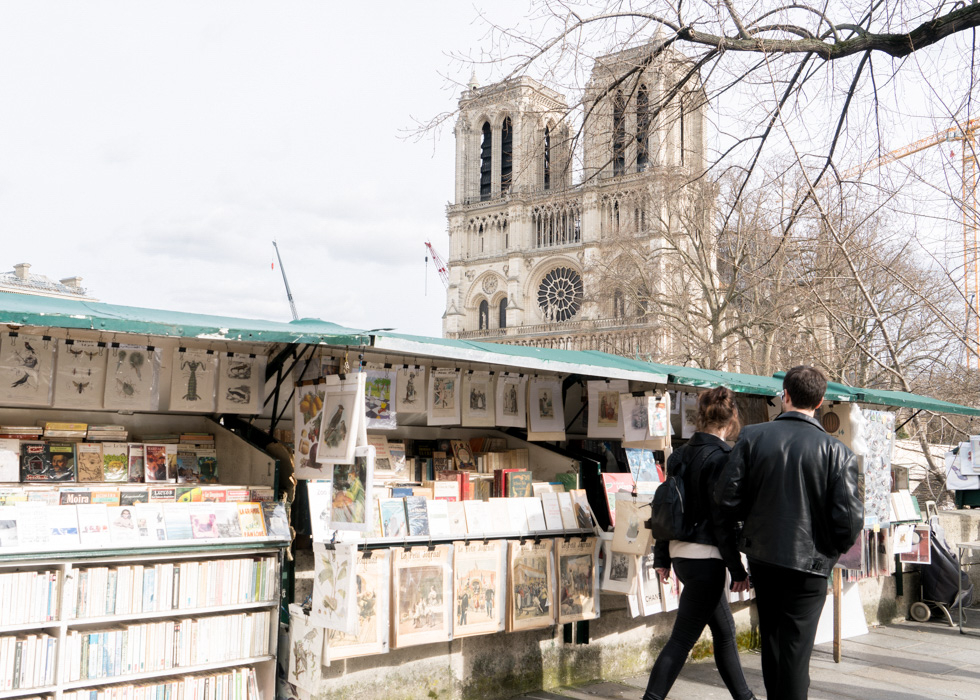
(192, 380)
(410, 389)
(132, 378)
(334, 605)
(619, 572)
(511, 406)
(658, 415)
(631, 535)
(444, 397)
(479, 600)
(26, 369)
(605, 416)
(241, 379)
(643, 467)
(371, 589)
(546, 412)
(343, 418)
(478, 400)
(689, 413)
(80, 375)
(880, 436)
(306, 651)
(531, 585)
(636, 417)
(379, 390)
(578, 586)
(352, 484)
(307, 418)
(422, 586)
(648, 586)
(320, 494)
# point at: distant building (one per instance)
(21, 281)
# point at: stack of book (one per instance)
(68, 432)
(107, 433)
(21, 432)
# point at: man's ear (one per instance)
(819, 404)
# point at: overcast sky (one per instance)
(156, 148)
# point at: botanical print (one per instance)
(306, 651)
(81, 373)
(410, 389)
(307, 417)
(546, 412)
(343, 416)
(478, 588)
(605, 417)
(132, 375)
(478, 400)
(379, 389)
(371, 590)
(578, 587)
(879, 433)
(352, 485)
(531, 585)
(334, 605)
(26, 369)
(423, 595)
(241, 379)
(192, 380)
(510, 408)
(444, 397)
(619, 573)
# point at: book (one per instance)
(128, 497)
(177, 519)
(115, 461)
(437, 512)
(189, 494)
(214, 494)
(155, 462)
(88, 459)
(478, 520)
(32, 525)
(122, 525)
(251, 520)
(188, 471)
(135, 475)
(552, 511)
(74, 497)
(457, 518)
(149, 522)
(417, 515)
(51, 461)
(63, 527)
(500, 515)
(93, 525)
(394, 521)
(107, 497)
(9, 460)
(567, 509)
(207, 465)
(261, 494)
(613, 483)
(226, 520)
(203, 521)
(8, 526)
(161, 494)
(276, 520)
(535, 514)
(517, 484)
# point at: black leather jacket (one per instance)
(706, 456)
(796, 489)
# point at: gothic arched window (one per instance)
(486, 147)
(642, 128)
(619, 134)
(503, 313)
(506, 155)
(484, 315)
(619, 306)
(547, 158)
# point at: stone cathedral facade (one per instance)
(539, 257)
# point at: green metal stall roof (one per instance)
(50, 312)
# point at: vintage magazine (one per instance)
(619, 572)
(578, 585)
(511, 407)
(371, 589)
(422, 589)
(478, 400)
(531, 585)
(479, 601)
(444, 397)
(648, 586)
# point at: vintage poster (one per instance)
(479, 600)
(307, 417)
(410, 389)
(26, 369)
(132, 378)
(545, 410)
(689, 412)
(320, 494)
(444, 397)
(478, 400)
(241, 380)
(352, 484)
(511, 406)
(648, 586)
(192, 380)
(80, 375)
(619, 572)
(879, 432)
(531, 585)
(307, 651)
(636, 416)
(334, 604)
(578, 586)
(343, 414)
(658, 416)
(631, 535)
(371, 589)
(422, 587)
(605, 416)
(379, 390)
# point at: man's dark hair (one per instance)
(805, 386)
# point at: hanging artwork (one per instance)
(531, 585)
(351, 505)
(478, 400)
(319, 493)
(192, 380)
(670, 592)
(371, 589)
(643, 466)
(546, 412)
(658, 417)
(879, 434)
(410, 389)
(343, 418)
(379, 392)
(479, 598)
(511, 408)
(422, 587)
(80, 375)
(26, 369)
(631, 536)
(619, 572)
(689, 413)
(307, 418)
(241, 380)
(578, 586)
(605, 416)
(636, 417)
(306, 651)
(132, 378)
(648, 585)
(444, 397)
(334, 606)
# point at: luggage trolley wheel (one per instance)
(920, 612)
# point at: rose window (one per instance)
(560, 294)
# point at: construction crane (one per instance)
(289, 294)
(966, 133)
(441, 266)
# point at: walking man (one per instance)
(795, 488)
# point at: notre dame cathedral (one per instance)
(565, 220)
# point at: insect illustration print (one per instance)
(126, 388)
(192, 366)
(75, 353)
(80, 387)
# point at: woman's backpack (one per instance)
(668, 521)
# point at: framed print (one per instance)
(444, 397)
(510, 406)
(193, 376)
(546, 412)
(343, 416)
(422, 589)
(352, 485)
(371, 589)
(410, 389)
(26, 369)
(334, 606)
(531, 585)
(81, 374)
(578, 585)
(605, 414)
(479, 600)
(241, 381)
(478, 400)
(307, 418)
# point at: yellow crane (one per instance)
(965, 133)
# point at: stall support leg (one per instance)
(838, 587)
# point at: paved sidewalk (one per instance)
(905, 661)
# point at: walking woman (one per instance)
(700, 560)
